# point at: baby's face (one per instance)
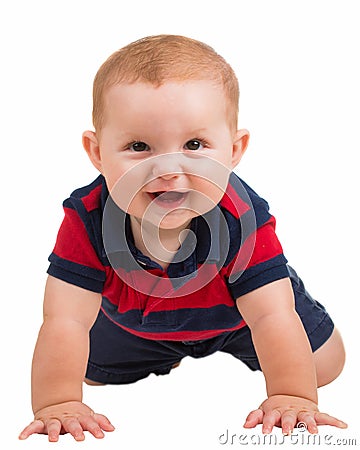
(167, 152)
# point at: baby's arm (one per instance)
(59, 364)
(286, 360)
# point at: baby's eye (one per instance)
(194, 144)
(139, 146)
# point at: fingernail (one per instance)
(79, 437)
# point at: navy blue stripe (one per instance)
(259, 205)
(86, 190)
(259, 275)
(186, 319)
(76, 279)
(79, 269)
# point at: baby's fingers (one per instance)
(53, 429)
(288, 421)
(254, 418)
(36, 427)
(104, 422)
(95, 424)
(326, 419)
(271, 418)
(306, 419)
(73, 427)
(89, 424)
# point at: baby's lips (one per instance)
(168, 196)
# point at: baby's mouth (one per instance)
(169, 198)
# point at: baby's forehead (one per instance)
(170, 89)
(172, 95)
(196, 96)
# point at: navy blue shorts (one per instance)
(119, 357)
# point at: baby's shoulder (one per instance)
(241, 200)
(88, 198)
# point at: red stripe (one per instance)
(73, 243)
(265, 247)
(267, 244)
(233, 203)
(92, 200)
(120, 293)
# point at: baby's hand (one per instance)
(69, 417)
(286, 411)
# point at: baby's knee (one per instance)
(330, 359)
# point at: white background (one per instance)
(298, 68)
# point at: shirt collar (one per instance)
(209, 231)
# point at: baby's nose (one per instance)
(167, 166)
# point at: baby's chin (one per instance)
(176, 220)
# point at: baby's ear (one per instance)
(91, 146)
(240, 144)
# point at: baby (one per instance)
(169, 254)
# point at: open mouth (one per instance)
(168, 198)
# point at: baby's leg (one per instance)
(93, 383)
(325, 339)
(329, 359)
(119, 357)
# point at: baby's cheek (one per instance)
(126, 189)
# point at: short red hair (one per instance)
(157, 59)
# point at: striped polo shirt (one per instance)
(230, 251)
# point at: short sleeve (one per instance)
(267, 263)
(74, 258)
(257, 257)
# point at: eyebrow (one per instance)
(199, 130)
(131, 134)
